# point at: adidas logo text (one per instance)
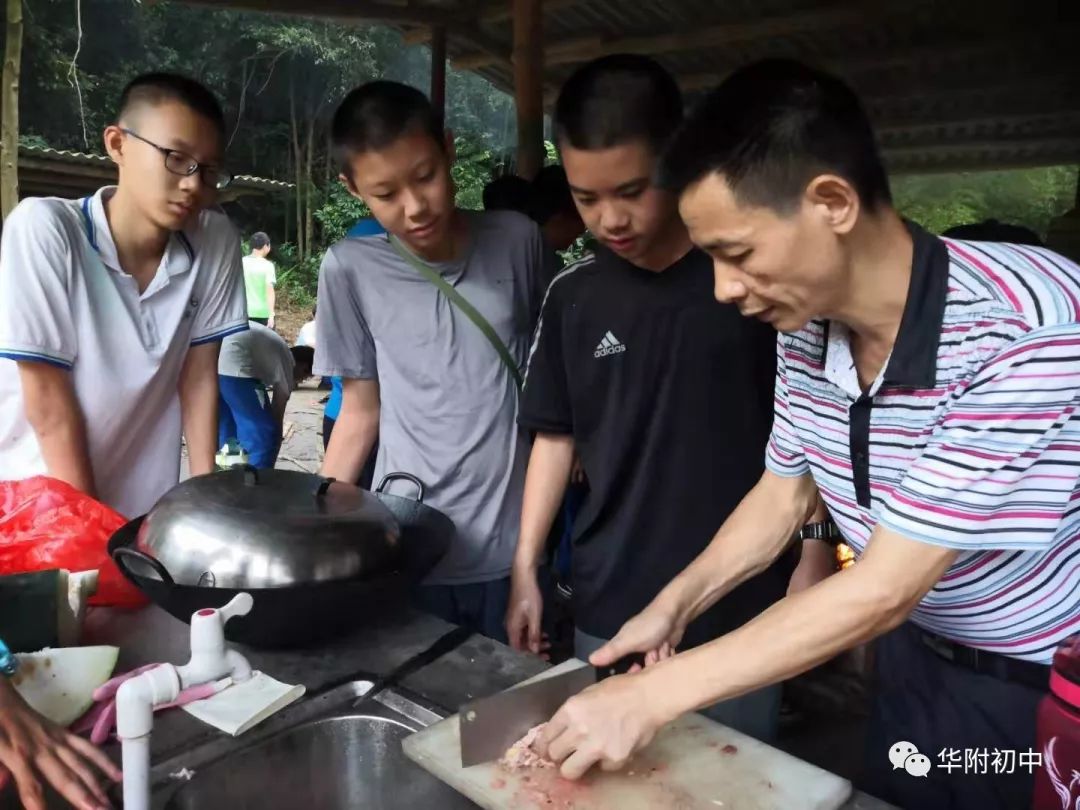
(609, 345)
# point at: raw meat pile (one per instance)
(520, 756)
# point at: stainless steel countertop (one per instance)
(479, 667)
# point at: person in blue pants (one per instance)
(244, 414)
(251, 362)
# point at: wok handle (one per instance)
(394, 476)
(119, 554)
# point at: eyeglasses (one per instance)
(186, 165)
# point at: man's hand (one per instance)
(604, 724)
(655, 632)
(270, 321)
(524, 611)
(32, 747)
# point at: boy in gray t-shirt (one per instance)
(417, 372)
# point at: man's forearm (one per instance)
(791, 637)
(271, 299)
(57, 421)
(350, 445)
(64, 449)
(804, 630)
(750, 540)
(198, 406)
(545, 484)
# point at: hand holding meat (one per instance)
(605, 724)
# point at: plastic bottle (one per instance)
(1057, 782)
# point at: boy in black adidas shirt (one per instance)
(665, 394)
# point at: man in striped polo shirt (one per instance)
(928, 390)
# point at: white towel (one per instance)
(244, 705)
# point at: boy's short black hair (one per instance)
(259, 240)
(151, 89)
(551, 194)
(991, 230)
(508, 193)
(303, 356)
(376, 114)
(618, 99)
(769, 129)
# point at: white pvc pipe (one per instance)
(136, 765)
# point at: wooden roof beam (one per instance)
(708, 36)
(354, 11)
(966, 158)
(497, 11)
(1056, 145)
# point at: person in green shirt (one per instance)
(259, 280)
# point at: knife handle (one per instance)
(621, 666)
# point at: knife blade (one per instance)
(491, 725)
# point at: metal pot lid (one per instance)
(247, 528)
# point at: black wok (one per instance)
(297, 615)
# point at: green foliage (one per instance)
(1031, 197)
(297, 279)
(32, 141)
(476, 164)
(338, 212)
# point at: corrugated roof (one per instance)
(32, 154)
(957, 85)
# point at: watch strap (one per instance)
(825, 530)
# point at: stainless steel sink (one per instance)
(333, 751)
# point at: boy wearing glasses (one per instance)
(112, 308)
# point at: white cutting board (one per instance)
(692, 763)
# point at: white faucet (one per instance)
(210, 661)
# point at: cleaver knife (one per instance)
(489, 726)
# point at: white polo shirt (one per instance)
(65, 300)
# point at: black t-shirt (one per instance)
(668, 395)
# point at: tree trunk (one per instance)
(288, 194)
(309, 214)
(329, 159)
(9, 117)
(438, 71)
(301, 246)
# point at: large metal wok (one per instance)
(304, 609)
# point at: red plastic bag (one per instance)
(46, 523)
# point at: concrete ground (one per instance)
(302, 445)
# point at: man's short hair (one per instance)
(769, 129)
(551, 194)
(991, 230)
(618, 99)
(376, 114)
(259, 240)
(152, 89)
(508, 193)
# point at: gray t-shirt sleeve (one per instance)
(344, 346)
